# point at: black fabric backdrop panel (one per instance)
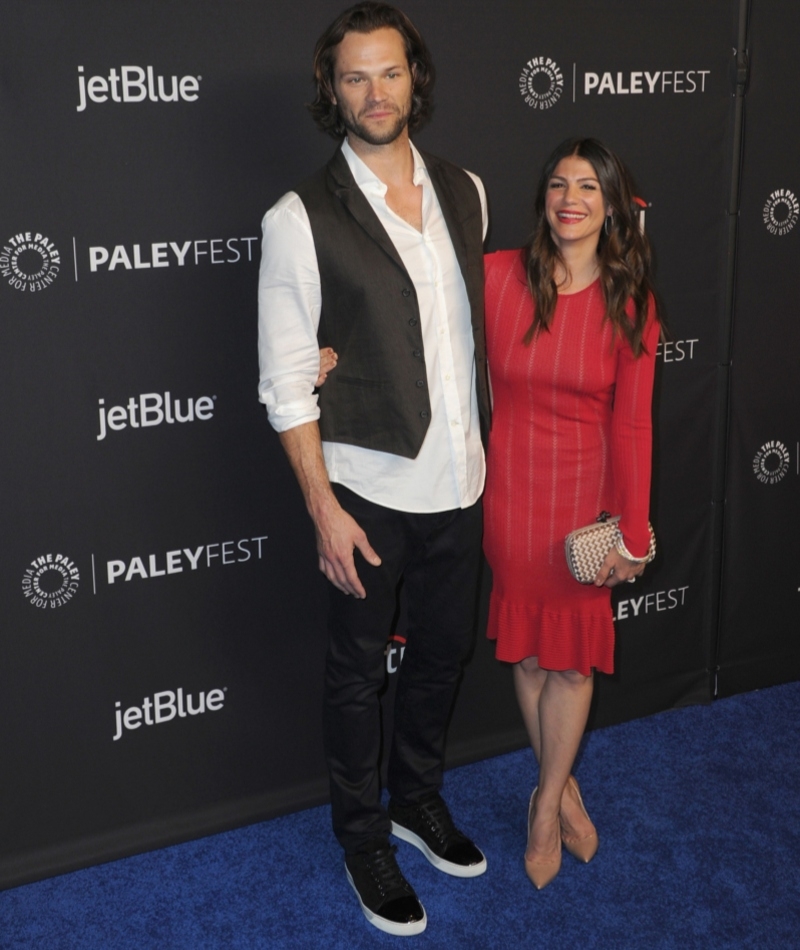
(218, 589)
(160, 672)
(677, 144)
(758, 641)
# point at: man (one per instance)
(379, 255)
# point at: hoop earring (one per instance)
(608, 224)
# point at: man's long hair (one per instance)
(366, 18)
(623, 251)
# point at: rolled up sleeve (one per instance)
(289, 304)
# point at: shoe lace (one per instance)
(438, 819)
(387, 875)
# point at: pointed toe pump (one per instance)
(540, 868)
(582, 847)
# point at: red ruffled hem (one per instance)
(560, 640)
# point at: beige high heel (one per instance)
(582, 847)
(541, 869)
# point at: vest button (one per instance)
(424, 414)
(420, 383)
(417, 353)
(406, 292)
(412, 322)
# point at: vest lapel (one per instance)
(347, 191)
(448, 205)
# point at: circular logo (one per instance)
(771, 462)
(29, 262)
(50, 581)
(541, 82)
(781, 212)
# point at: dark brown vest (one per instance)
(377, 397)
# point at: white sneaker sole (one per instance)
(457, 870)
(389, 926)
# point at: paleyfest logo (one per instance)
(159, 254)
(29, 262)
(781, 212)
(541, 82)
(652, 602)
(771, 462)
(50, 581)
(159, 564)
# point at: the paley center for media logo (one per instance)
(29, 261)
(781, 211)
(50, 581)
(772, 462)
(542, 82)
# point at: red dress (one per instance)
(571, 437)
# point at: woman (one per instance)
(572, 331)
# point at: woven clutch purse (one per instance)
(587, 547)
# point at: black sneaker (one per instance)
(387, 899)
(430, 828)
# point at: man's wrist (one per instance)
(322, 504)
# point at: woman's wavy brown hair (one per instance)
(623, 253)
(366, 18)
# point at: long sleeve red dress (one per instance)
(571, 437)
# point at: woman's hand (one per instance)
(327, 362)
(616, 569)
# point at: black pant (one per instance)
(437, 556)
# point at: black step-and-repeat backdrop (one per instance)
(163, 635)
(758, 633)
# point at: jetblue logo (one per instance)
(135, 84)
(152, 409)
(165, 706)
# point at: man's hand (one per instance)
(338, 534)
(327, 361)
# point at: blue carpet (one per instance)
(699, 824)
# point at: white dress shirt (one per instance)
(449, 470)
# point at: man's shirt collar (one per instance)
(369, 182)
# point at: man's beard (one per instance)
(384, 137)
